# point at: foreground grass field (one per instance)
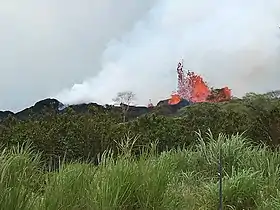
(178, 179)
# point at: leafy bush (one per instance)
(75, 135)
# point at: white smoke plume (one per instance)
(230, 43)
(49, 45)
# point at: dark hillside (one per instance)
(47, 106)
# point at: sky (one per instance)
(89, 50)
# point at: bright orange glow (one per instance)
(193, 88)
(175, 99)
(200, 90)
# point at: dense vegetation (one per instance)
(82, 132)
(177, 179)
(164, 177)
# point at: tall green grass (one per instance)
(177, 179)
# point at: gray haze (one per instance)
(47, 45)
(88, 51)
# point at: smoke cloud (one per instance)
(88, 51)
(47, 46)
(230, 43)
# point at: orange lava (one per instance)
(195, 90)
(200, 90)
(175, 99)
(220, 95)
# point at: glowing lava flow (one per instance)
(175, 99)
(192, 88)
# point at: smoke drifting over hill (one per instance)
(88, 51)
(234, 44)
(47, 46)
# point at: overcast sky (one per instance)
(48, 45)
(88, 50)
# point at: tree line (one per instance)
(74, 135)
